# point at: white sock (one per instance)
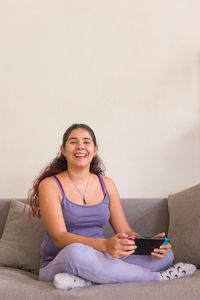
(66, 281)
(177, 271)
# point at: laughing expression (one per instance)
(79, 149)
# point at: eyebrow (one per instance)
(75, 138)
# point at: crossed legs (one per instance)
(84, 261)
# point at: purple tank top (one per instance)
(79, 219)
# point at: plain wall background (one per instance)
(129, 69)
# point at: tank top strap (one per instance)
(103, 186)
(59, 185)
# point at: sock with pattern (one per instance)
(66, 281)
(177, 271)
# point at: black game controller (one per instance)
(146, 245)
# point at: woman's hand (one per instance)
(162, 251)
(118, 246)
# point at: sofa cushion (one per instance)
(184, 226)
(21, 239)
(4, 208)
(20, 285)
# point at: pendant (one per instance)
(84, 200)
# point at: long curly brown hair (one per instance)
(58, 165)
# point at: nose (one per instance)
(80, 145)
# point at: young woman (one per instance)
(75, 202)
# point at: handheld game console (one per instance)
(146, 245)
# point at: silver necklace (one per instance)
(83, 195)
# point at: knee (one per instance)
(170, 256)
(168, 259)
(74, 252)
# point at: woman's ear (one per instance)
(95, 150)
(62, 149)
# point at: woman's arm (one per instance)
(120, 223)
(118, 219)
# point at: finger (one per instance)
(126, 253)
(161, 251)
(127, 242)
(157, 256)
(122, 235)
(129, 248)
(168, 246)
(162, 234)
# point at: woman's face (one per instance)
(79, 149)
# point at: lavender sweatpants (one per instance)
(86, 262)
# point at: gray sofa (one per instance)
(175, 215)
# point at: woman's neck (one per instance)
(78, 175)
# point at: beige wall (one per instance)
(129, 69)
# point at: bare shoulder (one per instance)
(48, 188)
(110, 184)
(47, 183)
(108, 180)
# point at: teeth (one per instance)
(80, 155)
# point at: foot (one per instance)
(177, 271)
(66, 281)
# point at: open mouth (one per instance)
(80, 155)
